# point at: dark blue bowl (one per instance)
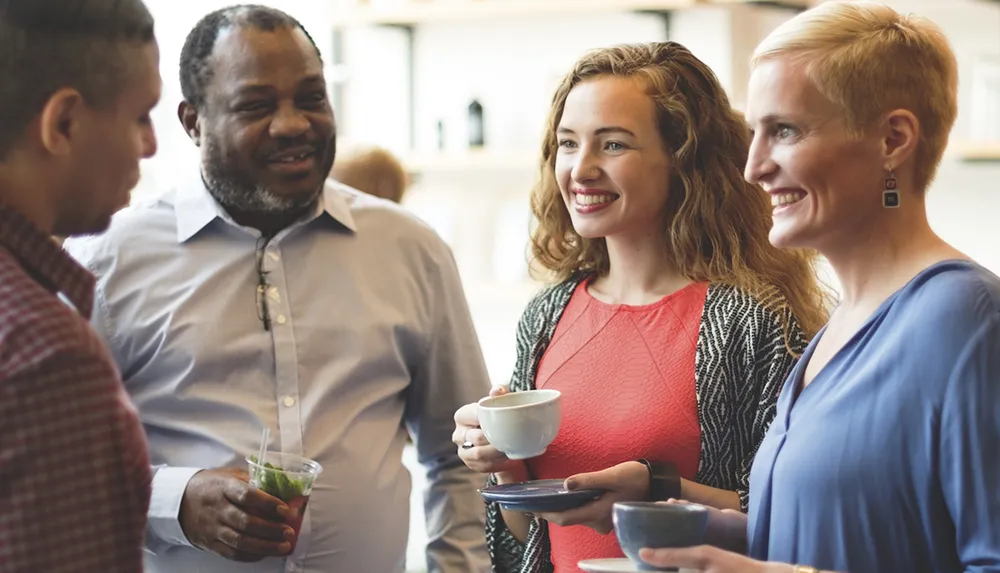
(647, 524)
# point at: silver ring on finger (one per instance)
(466, 445)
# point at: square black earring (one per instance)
(890, 196)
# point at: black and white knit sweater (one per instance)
(741, 362)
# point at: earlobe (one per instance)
(59, 121)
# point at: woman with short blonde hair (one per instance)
(882, 456)
(867, 59)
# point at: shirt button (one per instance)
(281, 319)
(289, 401)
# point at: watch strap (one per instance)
(664, 481)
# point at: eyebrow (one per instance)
(251, 89)
(770, 119)
(313, 79)
(601, 130)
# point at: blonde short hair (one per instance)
(373, 170)
(870, 60)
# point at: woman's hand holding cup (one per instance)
(475, 450)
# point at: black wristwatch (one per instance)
(664, 483)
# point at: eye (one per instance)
(784, 131)
(255, 106)
(314, 98)
(567, 144)
(614, 146)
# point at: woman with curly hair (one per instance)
(673, 321)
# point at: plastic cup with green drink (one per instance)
(289, 478)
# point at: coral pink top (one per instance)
(627, 379)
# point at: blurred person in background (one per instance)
(373, 170)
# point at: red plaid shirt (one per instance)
(74, 470)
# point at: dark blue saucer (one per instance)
(538, 496)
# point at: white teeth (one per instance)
(786, 199)
(294, 158)
(592, 199)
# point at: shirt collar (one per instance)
(336, 204)
(45, 260)
(195, 208)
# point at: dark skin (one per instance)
(265, 102)
(266, 133)
(222, 513)
(77, 164)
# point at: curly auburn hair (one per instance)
(716, 224)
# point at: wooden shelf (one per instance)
(472, 160)
(975, 150)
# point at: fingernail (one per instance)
(284, 511)
(289, 534)
(286, 547)
(571, 484)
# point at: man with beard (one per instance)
(257, 295)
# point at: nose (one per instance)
(760, 165)
(288, 122)
(149, 143)
(586, 166)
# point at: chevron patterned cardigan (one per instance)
(741, 362)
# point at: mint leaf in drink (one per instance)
(284, 487)
(296, 488)
(269, 483)
(271, 480)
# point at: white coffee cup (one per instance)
(521, 424)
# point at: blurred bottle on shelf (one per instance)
(476, 135)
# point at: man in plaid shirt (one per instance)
(79, 78)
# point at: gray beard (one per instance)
(254, 198)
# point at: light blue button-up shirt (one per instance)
(370, 336)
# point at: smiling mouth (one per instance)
(593, 199)
(294, 158)
(782, 199)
